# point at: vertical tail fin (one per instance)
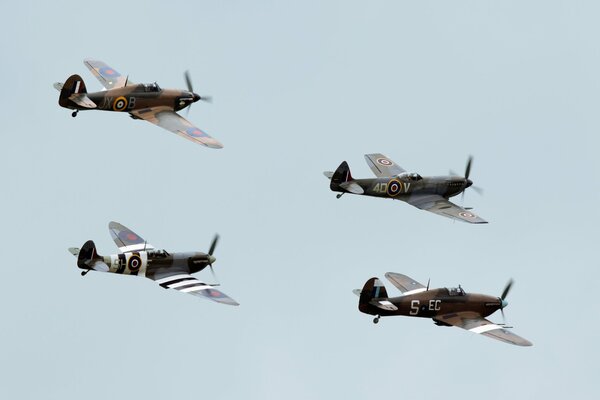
(88, 256)
(342, 181)
(72, 86)
(373, 289)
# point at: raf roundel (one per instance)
(384, 162)
(134, 263)
(120, 103)
(393, 188)
(195, 132)
(108, 72)
(465, 214)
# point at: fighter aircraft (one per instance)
(393, 182)
(137, 257)
(446, 306)
(145, 101)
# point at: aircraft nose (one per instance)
(469, 182)
(503, 303)
(211, 259)
(196, 97)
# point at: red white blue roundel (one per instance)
(108, 72)
(394, 187)
(385, 162)
(195, 132)
(214, 293)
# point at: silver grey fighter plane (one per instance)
(393, 182)
(137, 257)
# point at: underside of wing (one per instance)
(108, 77)
(188, 284)
(439, 205)
(168, 119)
(475, 323)
(126, 239)
(404, 283)
(383, 166)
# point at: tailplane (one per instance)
(73, 93)
(342, 181)
(88, 258)
(374, 299)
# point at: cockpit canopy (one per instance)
(158, 253)
(150, 87)
(413, 176)
(456, 291)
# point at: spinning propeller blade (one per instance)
(213, 245)
(503, 302)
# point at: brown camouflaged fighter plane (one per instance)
(142, 101)
(446, 306)
(393, 182)
(137, 257)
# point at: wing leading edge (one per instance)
(168, 119)
(109, 77)
(475, 323)
(439, 205)
(382, 166)
(126, 239)
(188, 284)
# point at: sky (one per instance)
(298, 87)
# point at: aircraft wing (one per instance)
(442, 206)
(168, 119)
(474, 322)
(404, 283)
(108, 77)
(383, 166)
(126, 239)
(188, 284)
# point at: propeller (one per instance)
(211, 259)
(503, 302)
(469, 182)
(188, 82)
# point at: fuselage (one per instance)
(139, 97)
(403, 187)
(157, 262)
(434, 302)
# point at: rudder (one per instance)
(373, 289)
(72, 86)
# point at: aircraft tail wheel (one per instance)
(74, 114)
(376, 319)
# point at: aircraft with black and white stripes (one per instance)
(137, 257)
(446, 306)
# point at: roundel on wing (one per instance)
(134, 263)
(128, 236)
(394, 187)
(466, 214)
(214, 293)
(108, 72)
(385, 162)
(120, 103)
(195, 132)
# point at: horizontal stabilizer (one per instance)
(357, 292)
(58, 86)
(328, 174)
(99, 266)
(384, 305)
(352, 187)
(82, 100)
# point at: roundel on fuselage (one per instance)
(134, 263)
(394, 187)
(120, 103)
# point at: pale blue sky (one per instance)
(299, 87)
